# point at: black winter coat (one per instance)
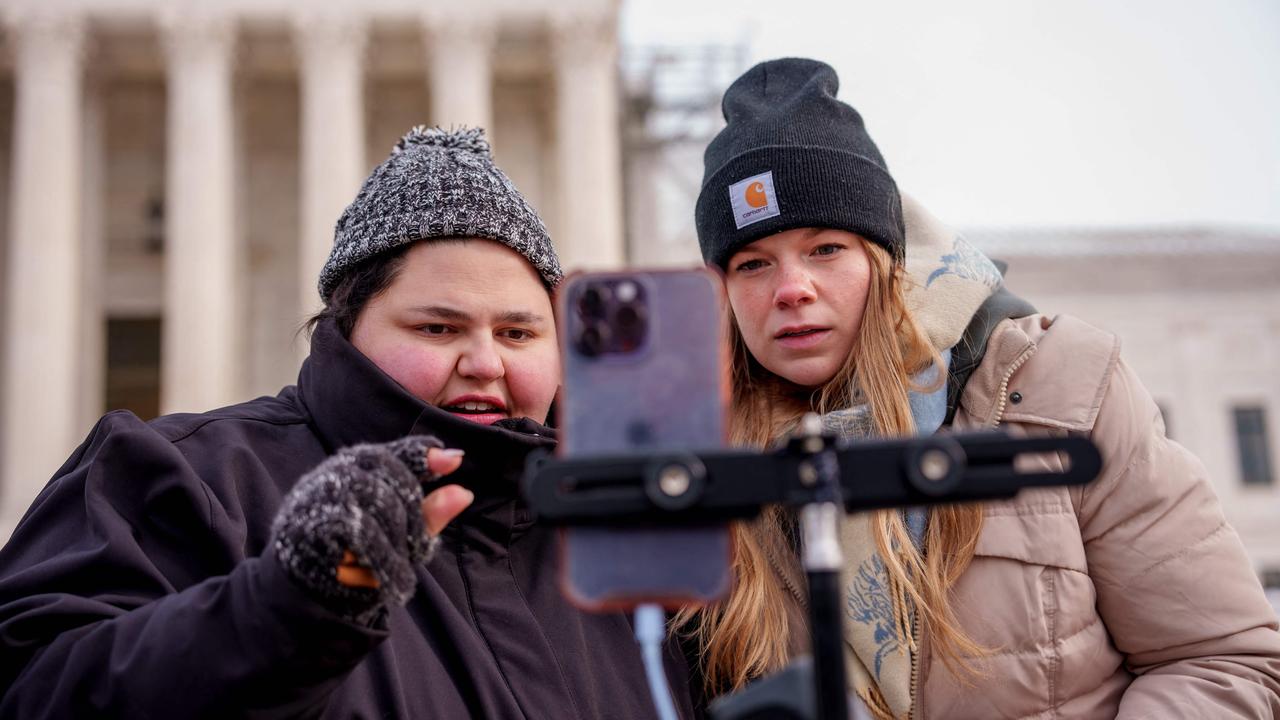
(137, 584)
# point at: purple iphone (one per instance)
(643, 371)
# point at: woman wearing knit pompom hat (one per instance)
(354, 546)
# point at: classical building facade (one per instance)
(171, 171)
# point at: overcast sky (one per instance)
(1039, 112)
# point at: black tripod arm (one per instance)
(959, 467)
(714, 485)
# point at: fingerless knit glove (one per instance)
(366, 499)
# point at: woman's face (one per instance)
(798, 298)
(466, 326)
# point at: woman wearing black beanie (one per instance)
(1129, 597)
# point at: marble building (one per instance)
(170, 173)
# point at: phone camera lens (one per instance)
(593, 339)
(592, 301)
(628, 316)
(630, 319)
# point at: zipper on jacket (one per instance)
(915, 619)
(778, 570)
(1004, 383)
(915, 665)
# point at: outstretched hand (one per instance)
(438, 508)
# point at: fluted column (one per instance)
(43, 294)
(93, 243)
(331, 60)
(200, 358)
(587, 142)
(460, 69)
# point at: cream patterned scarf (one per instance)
(949, 280)
(878, 616)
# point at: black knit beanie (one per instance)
(793, 156)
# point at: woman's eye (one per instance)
(749, 265)
(828, 249)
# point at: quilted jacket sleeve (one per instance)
(1174, 585)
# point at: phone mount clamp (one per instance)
(818, 474)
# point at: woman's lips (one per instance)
(484, 418)
(482, 409)
(806, 339)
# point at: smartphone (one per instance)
(644, 370)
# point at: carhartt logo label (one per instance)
(753, 199)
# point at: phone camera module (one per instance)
(612, 317)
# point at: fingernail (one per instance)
(452, 452)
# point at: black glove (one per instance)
(366, 499)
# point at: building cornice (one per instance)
(380, 10)
(1181, 241)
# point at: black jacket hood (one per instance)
(351, 400)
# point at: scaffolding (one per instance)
(671, 110)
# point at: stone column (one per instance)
(200, 358)
(460, 69)
(43, 293)
(587, 141)
(93, 243)
(331, 66)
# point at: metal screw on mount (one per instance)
(808, 474)
(674, 480)
(935, 465)
(675, 484)
(811, 431)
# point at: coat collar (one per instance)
(1059, 368)
(350, 400)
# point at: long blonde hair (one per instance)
(747, 635)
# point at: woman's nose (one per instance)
(794, 287)
(481, 361)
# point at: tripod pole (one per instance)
(826, 618)
(822, 559)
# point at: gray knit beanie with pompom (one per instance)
(437, 184)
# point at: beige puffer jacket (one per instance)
(1130, 597)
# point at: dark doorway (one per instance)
(133, 366)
